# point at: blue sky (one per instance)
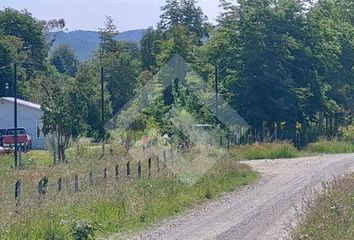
(90, 14)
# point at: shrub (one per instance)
(82, 230)
(348, 133)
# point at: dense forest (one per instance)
(286, 66)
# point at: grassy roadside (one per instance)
(330, 215)
(127, 205)
(287, 150)
(330, 147)
(113, 207)
(266, 151)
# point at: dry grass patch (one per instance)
(330, 215)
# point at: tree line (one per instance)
(286, 66)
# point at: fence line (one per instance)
(76, 183)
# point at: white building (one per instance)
(29, 116)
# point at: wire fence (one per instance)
(23, 196)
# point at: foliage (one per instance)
(82, 231)
(22, 40)
(150, 48)
(348, 133)
(121, 63)
(63, 58)
(274, 72)
(186, 13)
(285, 66)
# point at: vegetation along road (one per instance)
(265, 210)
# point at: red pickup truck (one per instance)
(23, 139)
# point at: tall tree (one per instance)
(22, 25)
(150, 48)
(187, 14)
(107, 35)
(65, 60)
(121, 63)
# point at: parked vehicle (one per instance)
(2, 133)
(24, 140)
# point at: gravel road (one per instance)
(262, 211)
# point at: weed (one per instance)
(329, 214)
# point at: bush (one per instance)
(82, 231)
(348, 134)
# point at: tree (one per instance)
(65, 60)
(177, 42)
(268, 67)
(150, 48)
(22, 25)
(331, 35)
(51, 28)
(72, 107)
(65, 111)
(121, 63)
(9, 48)
(121, 71)
(107, 35)
(184, 13)
(88, 77)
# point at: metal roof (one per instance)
(22, 102)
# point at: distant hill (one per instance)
(86, 42)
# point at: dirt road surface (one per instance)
(262, 211)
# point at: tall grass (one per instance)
(329, 215)
(266, 151)
(330, 146)
(114, 206)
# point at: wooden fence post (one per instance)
(42, 187)
(139, 168)
(91, 178)
(17, 195)
(60, 184)
(158, 163)
(117, 172)
(228, 141)
(149, 167)
(221, 143)
(164, 159)
(76, 183)
(105, 173)
(128, 168)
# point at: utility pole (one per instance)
(216, 92)
(15, 113)
(102, 107)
